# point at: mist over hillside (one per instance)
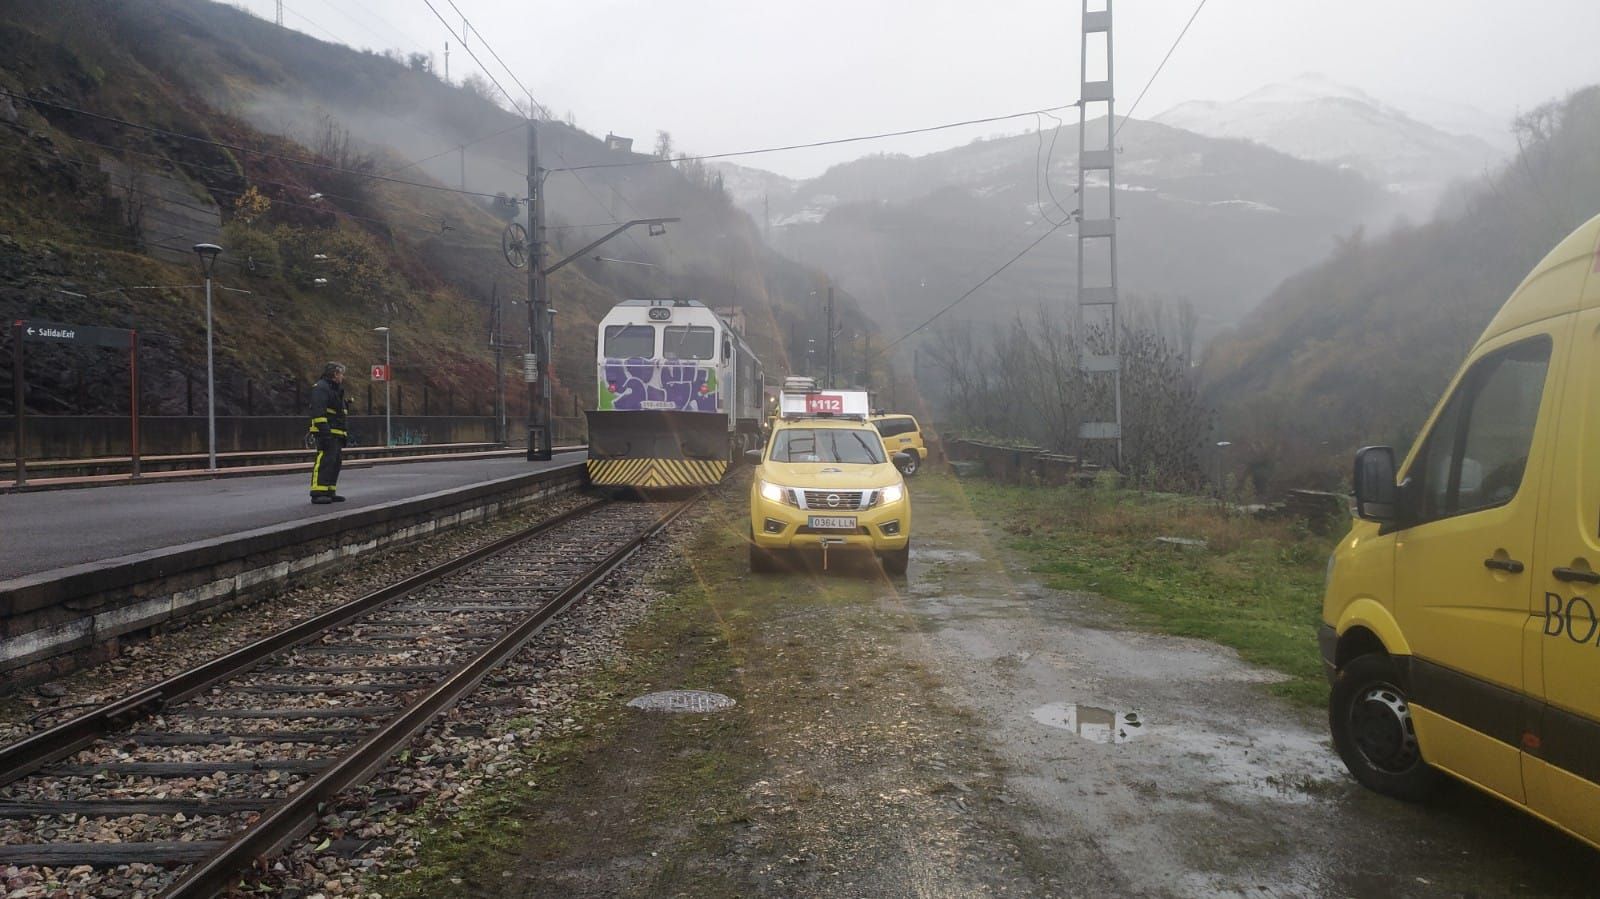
(331, 248)
(1212, 223)
(1358, 348)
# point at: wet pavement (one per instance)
(1143, 764)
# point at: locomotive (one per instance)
(680, 396)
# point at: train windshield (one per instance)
(630, 341)
(857, 446)
(687, 342)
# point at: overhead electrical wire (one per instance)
(820, 143)
(974, 289)
(446, 152)
(466, 25)
(313, 24)
(1129, 114)
(1054, 227)
(533, 105)
(481, 67)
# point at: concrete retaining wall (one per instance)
(54, 621)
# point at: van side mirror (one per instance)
(1377, 497)
(753, 455)
(901, 459)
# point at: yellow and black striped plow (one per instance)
(656, 472)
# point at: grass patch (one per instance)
(1255, 587)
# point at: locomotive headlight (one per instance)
(893, 493)
(772, 492)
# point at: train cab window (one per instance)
(630, 341)
(688, 342)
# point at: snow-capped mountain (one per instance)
(1315, 118)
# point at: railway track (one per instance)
(232, 760)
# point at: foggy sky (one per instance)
(726, 75)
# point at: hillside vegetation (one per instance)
(98, 210)
(1357, 349)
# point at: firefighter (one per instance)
(328, 430)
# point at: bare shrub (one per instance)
(1025, 383)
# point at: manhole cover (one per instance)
(683, 701)
(1090, 723)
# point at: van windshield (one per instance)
(850, 446)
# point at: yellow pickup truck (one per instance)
(825, 483)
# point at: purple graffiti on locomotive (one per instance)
(636, 384)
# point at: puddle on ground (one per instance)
(1095, 724)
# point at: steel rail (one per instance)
(298, 814)
(33, 752)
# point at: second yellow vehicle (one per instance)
(826, 483)
(902, 434)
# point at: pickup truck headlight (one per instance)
(774, 493)
(893, 493)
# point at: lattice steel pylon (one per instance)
(1097, 223)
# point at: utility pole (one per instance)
(462, 150)
(828, 349)
(280, 14)
(539, 342)
(1097, 230)
(447, 62)
(497, 340)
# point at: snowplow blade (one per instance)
(653, 448)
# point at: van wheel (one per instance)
(895, 561)
(911, 464)
(1370, 717)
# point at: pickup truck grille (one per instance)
(838, 500)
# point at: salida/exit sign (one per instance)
(380, 372)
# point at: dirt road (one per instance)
(963, 732)
(1213, 787)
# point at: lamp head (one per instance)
(208, 253)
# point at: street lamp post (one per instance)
(208, 253)
(388, 376)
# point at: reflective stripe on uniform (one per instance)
(337, 433)
(316, 469)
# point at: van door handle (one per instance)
(1577, 574)
(1511, 566)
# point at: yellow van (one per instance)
(1459, 623)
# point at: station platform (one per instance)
(54, 529)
